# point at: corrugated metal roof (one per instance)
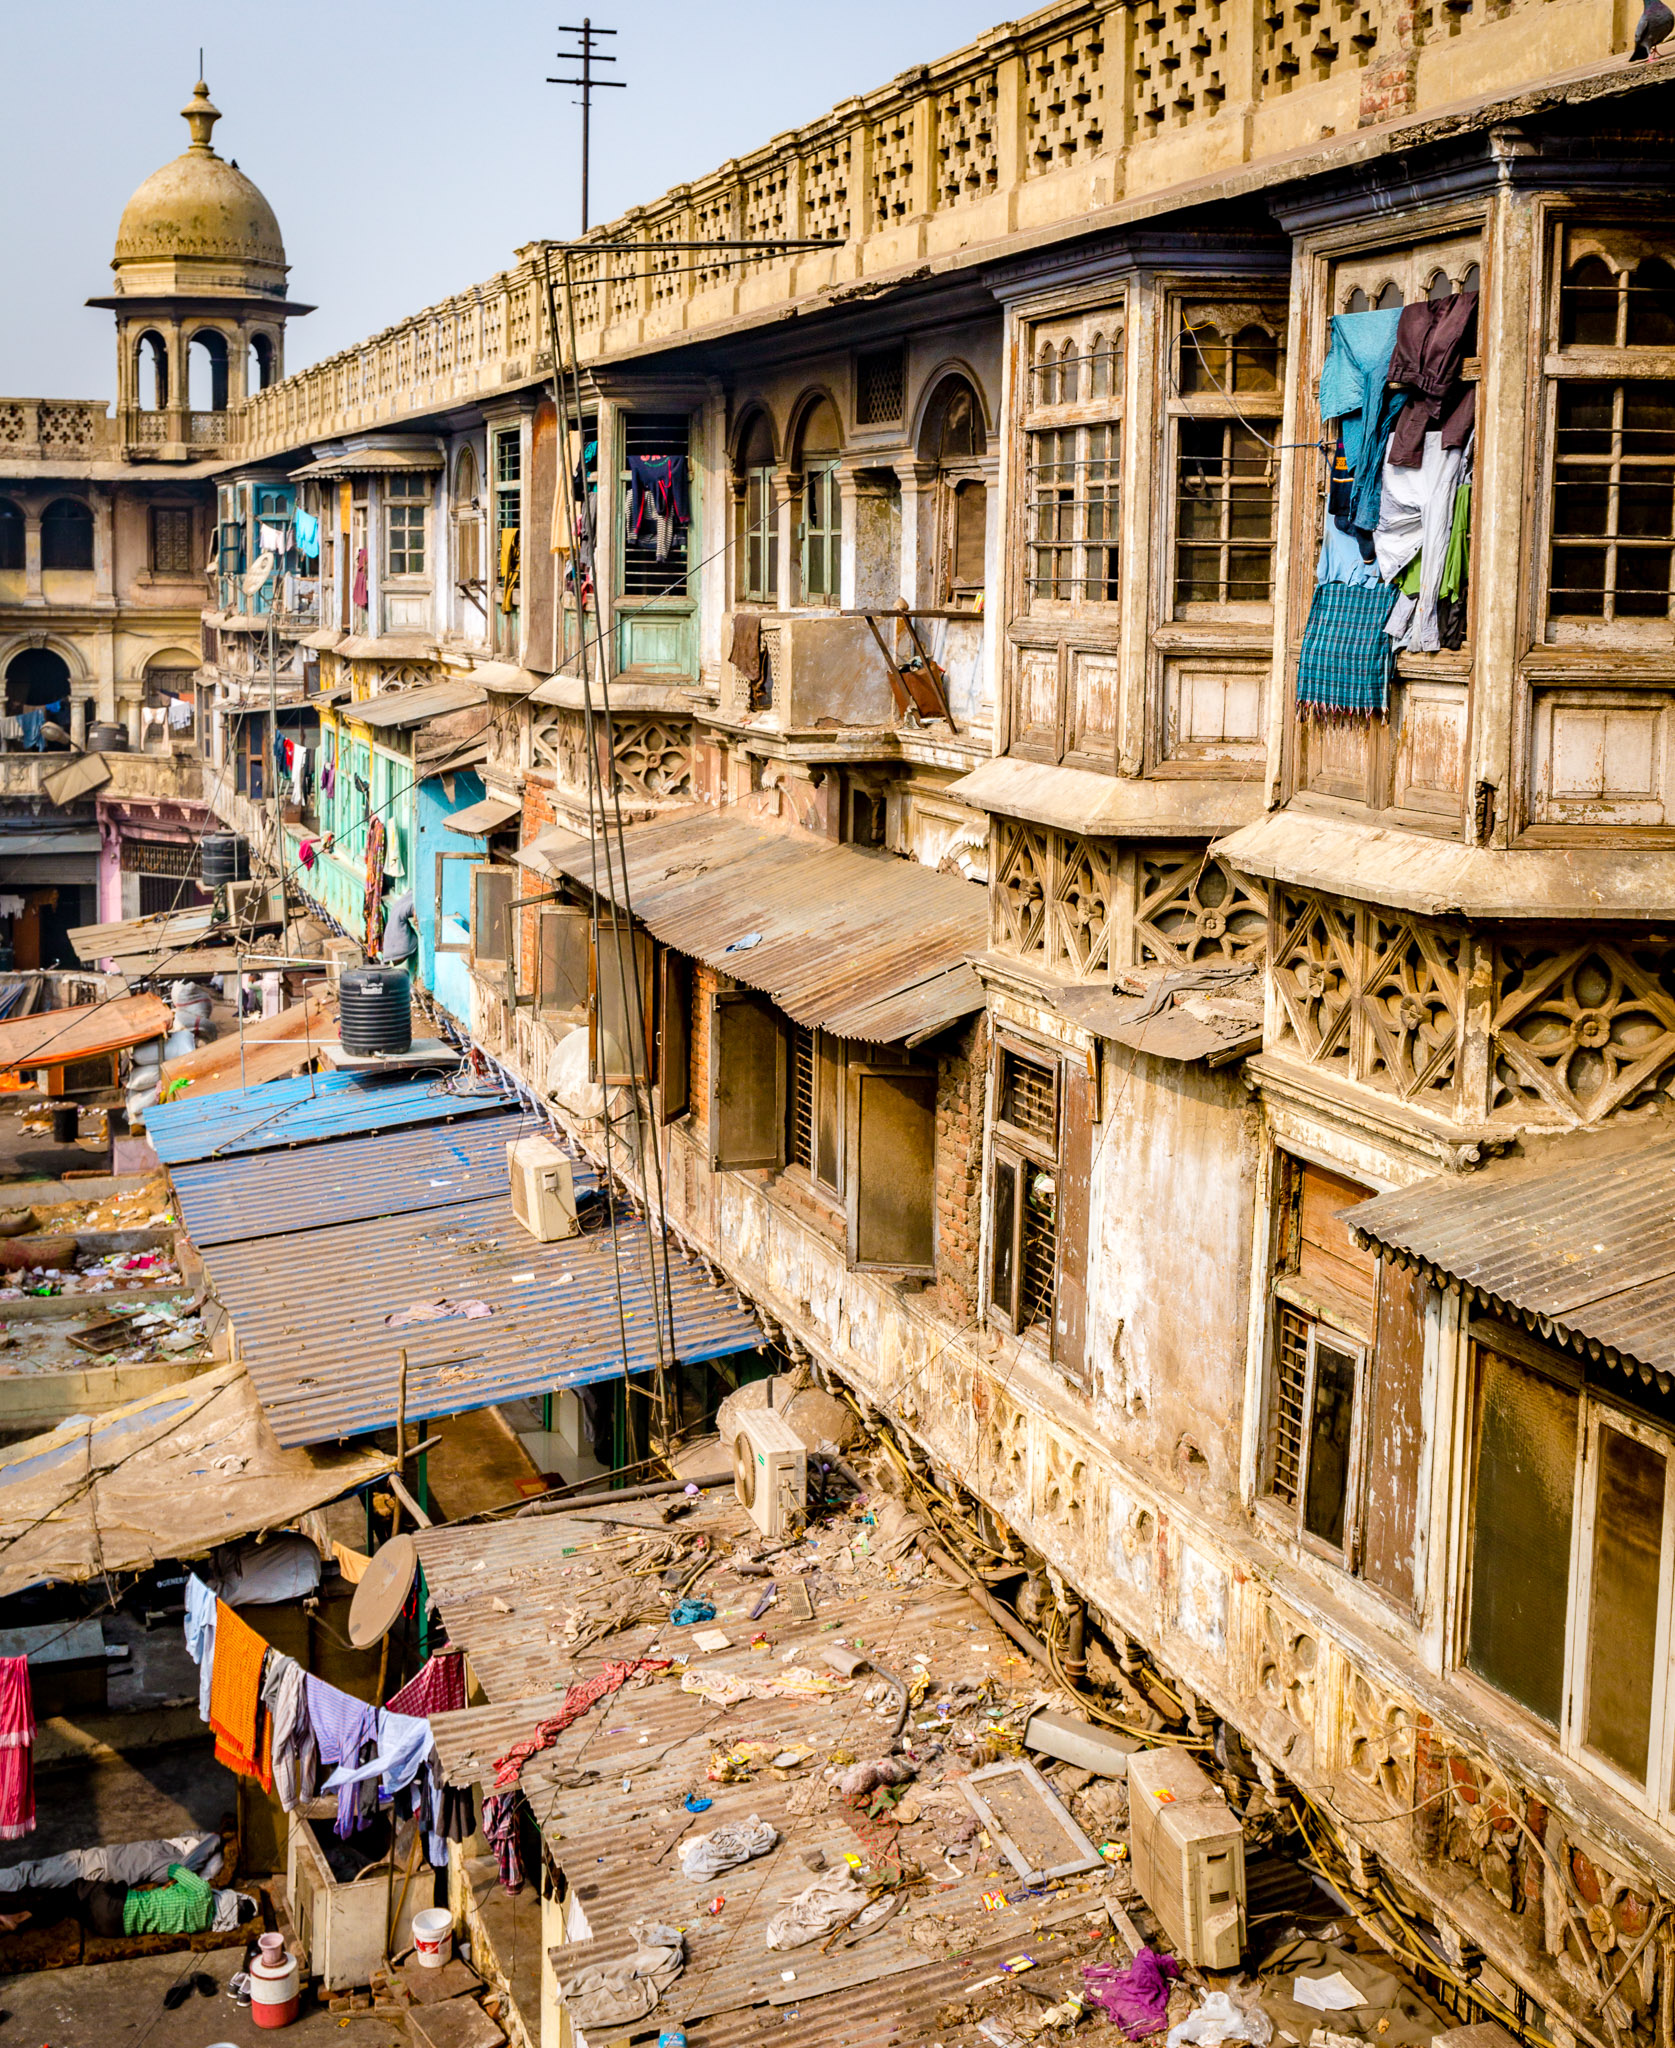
(393, 708)
(865, 944)
(401, 1173)
(1578, 1238)
(309, 1307)
(301, 1111)
(609, 1793)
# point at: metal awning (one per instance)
(1577, 1238)
(57, 1036)
(316, 1187)
(172, 1476)
(373, 461)
(394, 709)
(322, 641)
(863, 944)
(1213, 1014)
(487, 815)
(301, 1111)
(1440, 877)
(387, 647)
(32, 845)
(310, 1310)
(1082, 801)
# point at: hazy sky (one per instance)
(406, 148)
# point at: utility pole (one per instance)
(588, 56)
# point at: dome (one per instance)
(199, 206)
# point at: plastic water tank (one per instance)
(225, 858)
(375, 1009)
(107, 739)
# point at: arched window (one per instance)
(1651, 305)
(151, 371)
(11, 535)
(207, 371)
(952, 437)
(1099, 360)
(1588, 305)
(259, 370)
(38, 680)
(758, 522)
(819, 447)
(67, 535)
(1047, 376)
(468, 525)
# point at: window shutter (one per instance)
(1003, 1241)
(1327, 1257)
(562, 960)
(492, 890)
(892, 1168)
(674, 1034)
(747, 1082)
(1395, 1435)
(971, 526)
(1070, 1295)
(621, 1044)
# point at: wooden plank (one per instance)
(273, 1048)
(60, 1036)
(139, 934)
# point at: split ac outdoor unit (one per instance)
(770, 1470)
(543, 1191)
(1188, 1854)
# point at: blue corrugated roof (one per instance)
(301, 1111)
(310, 1310)
(398, 1174)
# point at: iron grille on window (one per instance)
(159, 857)
(1290, 1382)
(643, 574)
(1075, 487)
(880, 386)
(1613, 500)
(171, 541)
(1228, 399)
(799, 1135)
(1028, 1098)
(1040, 1248)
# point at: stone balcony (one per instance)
(1043, 125)
(56, 430)
(174, 777)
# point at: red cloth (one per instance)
(17, 1749)
(614, 1676)
(439, 1688)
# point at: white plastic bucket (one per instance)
(433, 1936)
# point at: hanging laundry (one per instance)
(180, 713)
(374, 892)
(357, 592)
(242, 1729)
(31, 726)
(1432, 336)
(1456, 568)
(1341, 560)
(292, 1746)
(1417, 512)
(308, 535)
(500, 1826)
(437, 1688)
(343, 1728)
(17, 1750)
(401, 1743)
(200, 1636)
(1352, 392)
(509, 568)
(745, 652)
(658, 497)
(1347, 658)
(273, 539)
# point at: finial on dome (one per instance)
(201, 115)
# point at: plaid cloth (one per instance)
(1347, 657)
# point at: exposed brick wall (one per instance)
(537, 816)
(960, 1075)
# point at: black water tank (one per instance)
(107, 739)
(226, 858)
(375, 1009)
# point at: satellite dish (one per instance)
(382, 1592)
(258, 573)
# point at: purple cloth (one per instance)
(342, 1729)
(1136, 1998)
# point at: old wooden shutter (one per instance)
(971, 524)
(892, 1168)
(562, 960)
(674, 1038)
(492, 891)
(622, 963)
(747, 1082)
(1327, 1259)
(1395, 1435)
(1070, 1295)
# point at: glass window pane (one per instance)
(1623, 1617)
(1003, 1226)
(1520, 1545)
(1331, 1425)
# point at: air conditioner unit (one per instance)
(770, 1470)
(543, 1189)
(1188, 1853)
(254, 902)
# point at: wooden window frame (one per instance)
(857, 1072)
(560, 913)
(605, 997)
(760, 533)
(770, 1154)
(400, 502)
(676, 978)
(1258, 413)
(479, 959)
(476, 861)
(1016, 1151)
(1596, 1411)
(830, 1058)
(821, 480)
(176, 516)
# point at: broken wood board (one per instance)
(454, 2023)
(273, 1048)
(55, 1038)
(430, 1987)
(1029, 1821)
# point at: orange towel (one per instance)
(243, 1733)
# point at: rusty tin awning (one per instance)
(862, 944)
(1576, 1240)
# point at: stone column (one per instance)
(918, 530)
(78, 721)
(32, 591)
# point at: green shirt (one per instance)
(185, 1905)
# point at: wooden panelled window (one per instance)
(493, 891)
(1570, 1561)
(171, 541)
(814, 1107)
(1611, 559)
(1073, 460)
(1023, 1201)
(822, 533)
(759, 557)
(620, 1010)
(563, 939)
(675, 980)
(406, 501)
(1324, 1309)
(1227, 406)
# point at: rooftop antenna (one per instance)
(200, 65)
(588, 56)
